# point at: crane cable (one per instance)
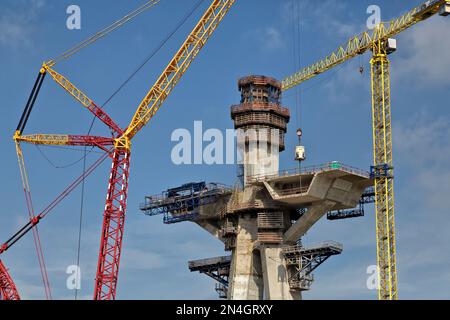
(69, 53)
(32, 223)
(80, 223)
(154, 52)
(133, 74)
(127, 80)
(296, 25)
(80, 227)
(102, 33)
(52, 163)
(31, 214)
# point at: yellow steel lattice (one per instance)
(178, 66)
(384, 182)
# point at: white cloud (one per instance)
(273, 39)
(267, 39)
(329, 16)
(425, 52)
(422, 148)
(17, 23)
(421, 140)
(29, 291)
(349, 282)
(139, 259)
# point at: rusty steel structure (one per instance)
(260, 107)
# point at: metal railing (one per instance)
(292, 191)
(325, 244)
(335, 165)
(211, 189)
(247, 106)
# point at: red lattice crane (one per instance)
(118, 147)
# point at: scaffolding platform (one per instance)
(302, 261)
(217, 268)
(367, 197)
(182, 203)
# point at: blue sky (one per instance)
(255, 38)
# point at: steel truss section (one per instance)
(8, 290)
(302, 261)
(384, 183)
(215, 268)
(183, 203)
(113, 227)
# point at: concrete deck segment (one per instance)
(298, 229)
(327, 188)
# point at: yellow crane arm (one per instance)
(44, 139)
(68, 86)
(64, 140)
(177, 67)
(366, 41)
(82, 98)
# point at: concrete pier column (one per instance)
(246, 281)
(275, 276)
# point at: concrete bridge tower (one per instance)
(262, 222)
(257, 267)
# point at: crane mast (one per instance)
(382, 172)
(116, 198)
(380, 43)
(8, 290)
(114, 215)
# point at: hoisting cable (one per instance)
(102, 33)
(108, 100)
(155, 51)
(133, 74)
(75, 149)
(296, 24)
(66, 55)
(66, 165)
(297, 59)
(80, 224)
(321, 81)
(35, 231)
(33, 222)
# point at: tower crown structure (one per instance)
(261, 122)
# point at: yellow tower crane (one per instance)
(380, 41)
